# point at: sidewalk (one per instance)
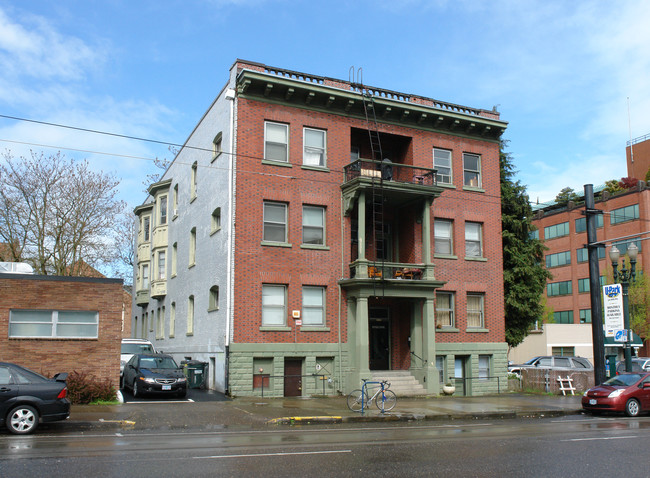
(257, 411)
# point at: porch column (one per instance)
(429, 345)
(362, 337)
(426, 240)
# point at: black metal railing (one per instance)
(420, 358)
(390, 171)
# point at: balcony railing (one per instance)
(389, 171)
(388, 270)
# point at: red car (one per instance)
(627, 392)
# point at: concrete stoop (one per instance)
(401, 382)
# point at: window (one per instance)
(622, 246)
(534, 234)
(581, 224)
(557, 230)
(161, 266)
(315, 148)
(172, 320)
(215, 223)
(473, 239)
(276, 141)
(559, 259)
(76, 324)
(559, 288)
(175, 201)
(158, 324)
(444, 309)
(313, 225)
(585, 316)
(163, 210)
(472, 170)
(192, 246)
(475, 310)
(275, 222)
(483, 367)
(273, 305)
(313, 306)
(146, 227)
(583, 254)
(563, 317)
(443, 236)
(583, 284)
(174, 258)
(193, 181)
(145, 276)
(190, 315)
(624, 214)
(213, 302)
(562, 352)
(216, 146)
(145, 318)
(440, 365)
(442, 165)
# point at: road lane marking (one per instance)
(256, 455)
(601, 438)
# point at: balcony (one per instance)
(390, 271)
(142, 297)
(158, 288)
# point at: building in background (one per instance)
(312, 232)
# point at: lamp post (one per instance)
(625, 276)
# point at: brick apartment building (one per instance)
(313, 232)
(563, 230)
(56, 324)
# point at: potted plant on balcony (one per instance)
(448, 388)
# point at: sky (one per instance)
(571, 78)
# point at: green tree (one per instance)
(524, 276)
(567, 194)
(639, 301)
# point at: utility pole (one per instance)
(594, 286)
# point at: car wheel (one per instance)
(632, 408)
(136, 389)
(22, 420)
(182, 394)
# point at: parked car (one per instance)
(627, 392)
(27, 398)
(134, 346)
(639, 364)
(154, 373)
(558, 363)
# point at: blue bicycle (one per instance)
(360, 399)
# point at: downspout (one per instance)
(339, 298)
(230, 96)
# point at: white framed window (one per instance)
(145, 276)
(174, 258)
(74, 324)
(443, 236)
(172, 320)
(473, 239)
(192, 251)
(175, 201)
(276, 142)
(146, 227)
(216, 146)
(193, 181)
(472, 170)
(444, 309)
(215, 221)
(158, 324)
(484, 367)
(313, 306)
(275, 222)
(313, 225)
(162, 268)
(442, 164)
(213, 300)
(162, 208)
(190, 315)
(314, 147)
(475, 311)
(274, 305)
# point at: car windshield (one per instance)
(137, 349)
(531, 361)
(624, 380)
(158, 362)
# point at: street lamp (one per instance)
(625, 276)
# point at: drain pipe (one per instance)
(340, 297)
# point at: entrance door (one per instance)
(460, 368)
(292, 377)
(379, 343)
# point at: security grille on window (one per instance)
(444, 309)
(74, 324)
(313, 306)
(443, 236)
(473, 239)
(475, 310)
(276, 141)
(314, 148)
(442, 165)
(273, 305)
(275, 222)
(313, 225)
(472, 170)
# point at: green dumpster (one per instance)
(195, 371)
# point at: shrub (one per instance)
(84, 388)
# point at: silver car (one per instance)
(559, 363)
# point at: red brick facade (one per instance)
(98, 356)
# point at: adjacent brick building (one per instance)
(56, 324)
(313, 226)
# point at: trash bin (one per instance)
(195, 372)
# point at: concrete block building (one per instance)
(313, 232)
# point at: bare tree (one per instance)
(57, 214)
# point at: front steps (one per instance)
(401, 382)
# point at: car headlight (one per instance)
(181, 380)
(616, 393)
(585, 394)
(147, 380)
